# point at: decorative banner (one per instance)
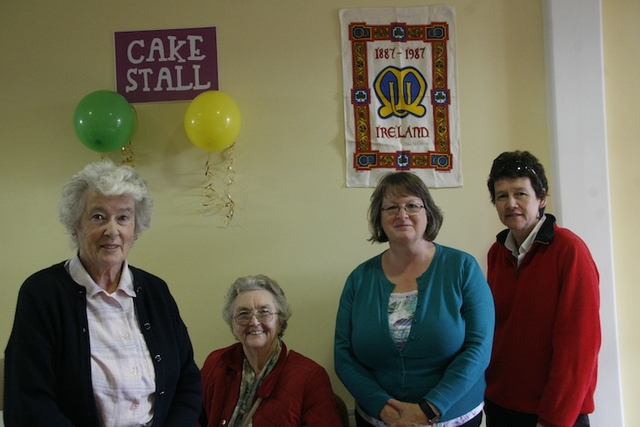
(400, 94)
(166, 65)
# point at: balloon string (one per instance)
(220, 200)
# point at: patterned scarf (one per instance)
(247, 404)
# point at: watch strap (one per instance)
(429, 412)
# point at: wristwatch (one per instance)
(430, 413)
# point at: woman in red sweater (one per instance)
(258, 382)
(545, 285)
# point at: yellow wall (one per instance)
(295, 220)
(621, 27)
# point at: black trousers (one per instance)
(497, 416)
(474, 422)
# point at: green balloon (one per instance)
(104, 121)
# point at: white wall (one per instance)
(575, 73)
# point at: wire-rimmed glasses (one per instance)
(410, 208)
(243, 318)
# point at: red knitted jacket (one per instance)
(297, 392)
(545, 353)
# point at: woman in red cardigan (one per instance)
(258, 381)
(545, 285)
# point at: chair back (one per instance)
(2, 384)
(344, 412)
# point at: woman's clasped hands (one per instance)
(401, 414)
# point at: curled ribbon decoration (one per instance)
(127, 155)
(127, 151)
(217, 188)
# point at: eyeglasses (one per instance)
(410, 208)
(243, 318)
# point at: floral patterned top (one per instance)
(401, 310)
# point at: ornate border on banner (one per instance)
(435, 33)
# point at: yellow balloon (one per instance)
(212, 120)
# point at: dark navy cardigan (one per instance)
(48, 366)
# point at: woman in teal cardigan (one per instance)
(415, 323)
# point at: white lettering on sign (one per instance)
(170, 52)
(166, 65)
(167, 78)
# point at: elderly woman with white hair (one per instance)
(258, 382)
(95, 341)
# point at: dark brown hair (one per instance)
(519, 164)
(402, 184)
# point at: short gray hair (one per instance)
(110, 180)
(257, 283)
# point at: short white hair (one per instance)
(110, 180)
